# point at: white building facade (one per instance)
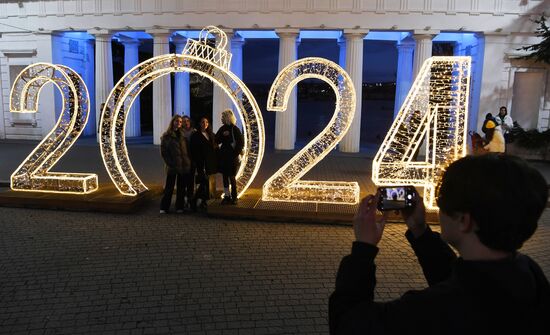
(78, 34)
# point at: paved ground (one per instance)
(145, 273)
(72, 273)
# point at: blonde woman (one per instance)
(231, 142)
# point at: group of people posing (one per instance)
(496, 129)
(193, 157)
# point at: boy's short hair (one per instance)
(502, 194)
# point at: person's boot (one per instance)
(234, 197)
(203, 206)
(226, 200)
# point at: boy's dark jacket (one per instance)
(510, 296)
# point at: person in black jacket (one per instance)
(231, 140)
(488, 117)
(489, 206)
(189, 185)
(173, 148)
(203, 153)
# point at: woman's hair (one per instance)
(505, 109)
(170, 129)
(228, 117)
(503, 195)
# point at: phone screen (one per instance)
(394, 198)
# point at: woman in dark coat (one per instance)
(203, 154)
(173, 148)
(231, 140)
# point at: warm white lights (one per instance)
(34, 172)
(197, 57)
(435, 111)
(285, 184)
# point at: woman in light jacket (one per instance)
(504, 121)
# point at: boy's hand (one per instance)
(366, 228)
(415, 217)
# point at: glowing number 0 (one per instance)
(435, 110)
(285, 184)
(34, 172)
(197, 57)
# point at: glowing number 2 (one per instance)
(435, 110)
(34, 172)
(285, 184)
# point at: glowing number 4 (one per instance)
(285, 184)
(434, 111)
(34, 173)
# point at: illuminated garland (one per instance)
(435, 110)
(197, 57)
(285, 184)
(34, 172)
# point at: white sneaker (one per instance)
(162, 211)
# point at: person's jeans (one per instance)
(227, 179)
(189, 185)
(203, 190)
(171, 179)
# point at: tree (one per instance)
(540, 52)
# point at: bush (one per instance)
(533, 139)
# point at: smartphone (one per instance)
(395, 197)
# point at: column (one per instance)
(423, 49)
(475, 49)
(3, 110)
(405, 51)
(162, 95)
(182, 94)
(354, 67)
(103, 71)
(220, 100)
(342, 51)
(285, 122)
(237, 43)
(89, 78)
(131, 59)
(46, 105)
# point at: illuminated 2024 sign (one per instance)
(435, 110)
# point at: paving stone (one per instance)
(82, 273)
